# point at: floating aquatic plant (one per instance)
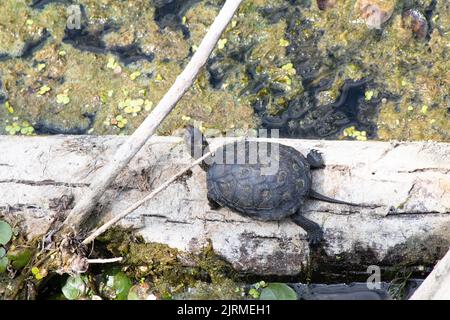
(9, 107)
(424, 109)
(116, 285)
(221, 44)
(3, 260)
(135, 75)
(27, 129)
(148, 105)
(283, 42)
(289, 67)
(353, 133)
(75, 287)
(278, 291)
(43, 90)
(368, 95)
(63, 98)
(19, 257)
(112, 63)
(6, 234)
(38, 275)
(133, 106)
(119, 121)
(13, 128)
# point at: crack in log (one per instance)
(416, 213)
(439, 170)
(160, 216)
(338, 167)
(5, 165)
(342, 212)
(222, 221)
(18, 207)
(394, 145)
(178, 222)
(255, 236)
(45, 183)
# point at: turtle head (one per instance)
(196, 142)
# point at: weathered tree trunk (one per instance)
(405, 185)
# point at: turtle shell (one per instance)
(269, 187)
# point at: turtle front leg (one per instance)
(315, 159)
(315, 233)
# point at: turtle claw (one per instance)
(315, 159)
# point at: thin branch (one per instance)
(111, 260)
(139, 203)
(128, 150)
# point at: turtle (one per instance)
(250, 189)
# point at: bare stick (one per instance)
(437, 285)
(136, 205)
(111, 260)
(128, 150)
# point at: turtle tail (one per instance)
(315, 195)
(196, 144)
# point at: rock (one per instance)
(326, 4)
(415, 21)
(375, 12)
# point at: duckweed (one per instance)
(135, 75)
(62, 98)
(13, 128)
(353, 133)
(38, 274)
(119, 121)
(23, 128)
(221, 44)
(283, 42)
(368, 95)
(43, 90)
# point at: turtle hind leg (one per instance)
(315, 159)
(213, 204)
(314, 231)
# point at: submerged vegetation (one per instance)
(314, 69)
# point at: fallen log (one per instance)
(405, 187)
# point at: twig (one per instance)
(111, 260)
(437, 285)
(128, 150)
(137, 204)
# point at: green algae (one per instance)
(79, 80)
(413, 71)
(59, 82)
(172, 272)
